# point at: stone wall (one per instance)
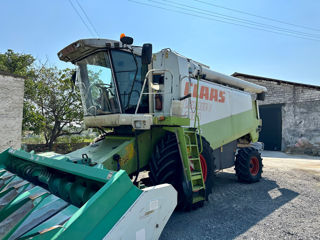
(300, 113)
(11, 110)
(301, 127)
(285, 92)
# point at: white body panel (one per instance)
(232, 81)
(230, 95)
(147, 217)
(138, 121)
(215, 102)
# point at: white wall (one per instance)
(11, 110)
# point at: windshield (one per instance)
(97, 86)
(127, 68)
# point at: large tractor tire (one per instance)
(166, 167)
(248, 165)
(207, 165)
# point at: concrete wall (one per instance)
(300, 114)
(11, 110)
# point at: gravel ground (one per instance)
(285, 204)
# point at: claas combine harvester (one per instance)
(162, 114)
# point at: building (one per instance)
(290, 115)
(11, 110)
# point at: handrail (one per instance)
(144, 84)
(197, 98)
(189, 99)
(196, 116)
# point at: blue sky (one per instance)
(43, 27)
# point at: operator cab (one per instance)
(110, 75)
(110, 82)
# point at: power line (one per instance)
(84, 23)
(219, 20)
(243, 21)
(88, 19)
(246, 21)
(258, 16)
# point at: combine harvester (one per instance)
(161, 113)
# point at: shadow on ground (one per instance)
(233, 208)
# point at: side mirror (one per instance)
(146, 53)
(73, 79)
(261, 96)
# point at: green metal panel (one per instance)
(125, 147)
(60, 217)
(65, 166)
(104, 209)
(171, 120)
(103, 151)
(20, 208)
(225, 130)
(21, 200)
(49, 234)
(39, 210)
(146, 142)
(258, 122)
(189, 152)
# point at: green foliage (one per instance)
(51, 107)
(74, 139)
(33, 140)
(56, 105)
(94, 78)
(15, 63)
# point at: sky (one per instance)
(192, 27)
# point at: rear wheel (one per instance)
(248, 165)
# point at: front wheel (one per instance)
(166, 167)
(207, 165)
(248, 165)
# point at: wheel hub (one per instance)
(204, 167)
(254, 166)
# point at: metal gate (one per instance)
(271, 133)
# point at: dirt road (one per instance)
(285, 204)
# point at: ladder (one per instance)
(195, 170)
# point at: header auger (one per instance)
(161, 114)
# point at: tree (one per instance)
(56, 105)
(15, 63)
(52, 106)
